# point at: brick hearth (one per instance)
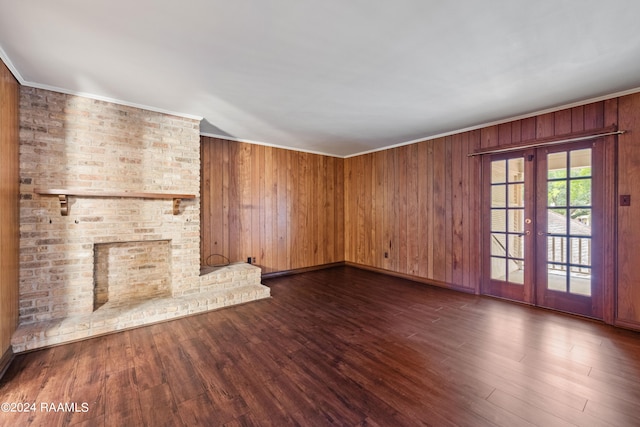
(226, 286)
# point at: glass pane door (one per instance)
(569, 221)
(567, 213)
(507, 225)
(507, 220)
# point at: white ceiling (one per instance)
(338, 77)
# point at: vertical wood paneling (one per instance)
(283, 212)
(505, 135)
(577, 119)
(300, 227)
(528, 129)
(562, 122)
(206, 212)
(339, 207)
(326, 212)
(276, 205)
(457, 209)
(431, 242)
(225, 199)
(390, 217)
(475, 220)
(594, 115)
(545, 125)
(465, 212)
(439, 210)
(516, 132)
(364, 220)
(442, 188)
(448, 212)
(413, 252)
(609, 214)
(234, 209)
(423, 214)
(628, 291)
(489, 136)
(243, 204)
(256, 188)
(348, 206)
(9, 215)
(400, 159)
(359, 214)
(269, 191)
(381, 213)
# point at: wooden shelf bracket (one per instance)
(64, 205)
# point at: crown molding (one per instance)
(5, 58)
(267, 144)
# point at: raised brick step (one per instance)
(224, 287)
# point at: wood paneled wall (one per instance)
(9, 214)
(283, 207)
(412, 210)
(420, 204)
(628, 265)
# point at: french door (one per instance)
(543, 216)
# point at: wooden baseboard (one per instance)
(627, 324)
(301, 270)
(411, 277)
(5, 361)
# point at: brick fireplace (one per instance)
(74, 142)
(131, 272)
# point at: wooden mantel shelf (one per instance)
(64, 193)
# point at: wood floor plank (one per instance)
(146, 359)
(524, 410)
(59, 389)
(89, 381)
(164, 409)
(199, 411)
(122, 408)
(513, 382)
(119, 353)
(497, 415)
(618, 413)
(343, 346)
(176, 366)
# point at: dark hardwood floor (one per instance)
(341, 347)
